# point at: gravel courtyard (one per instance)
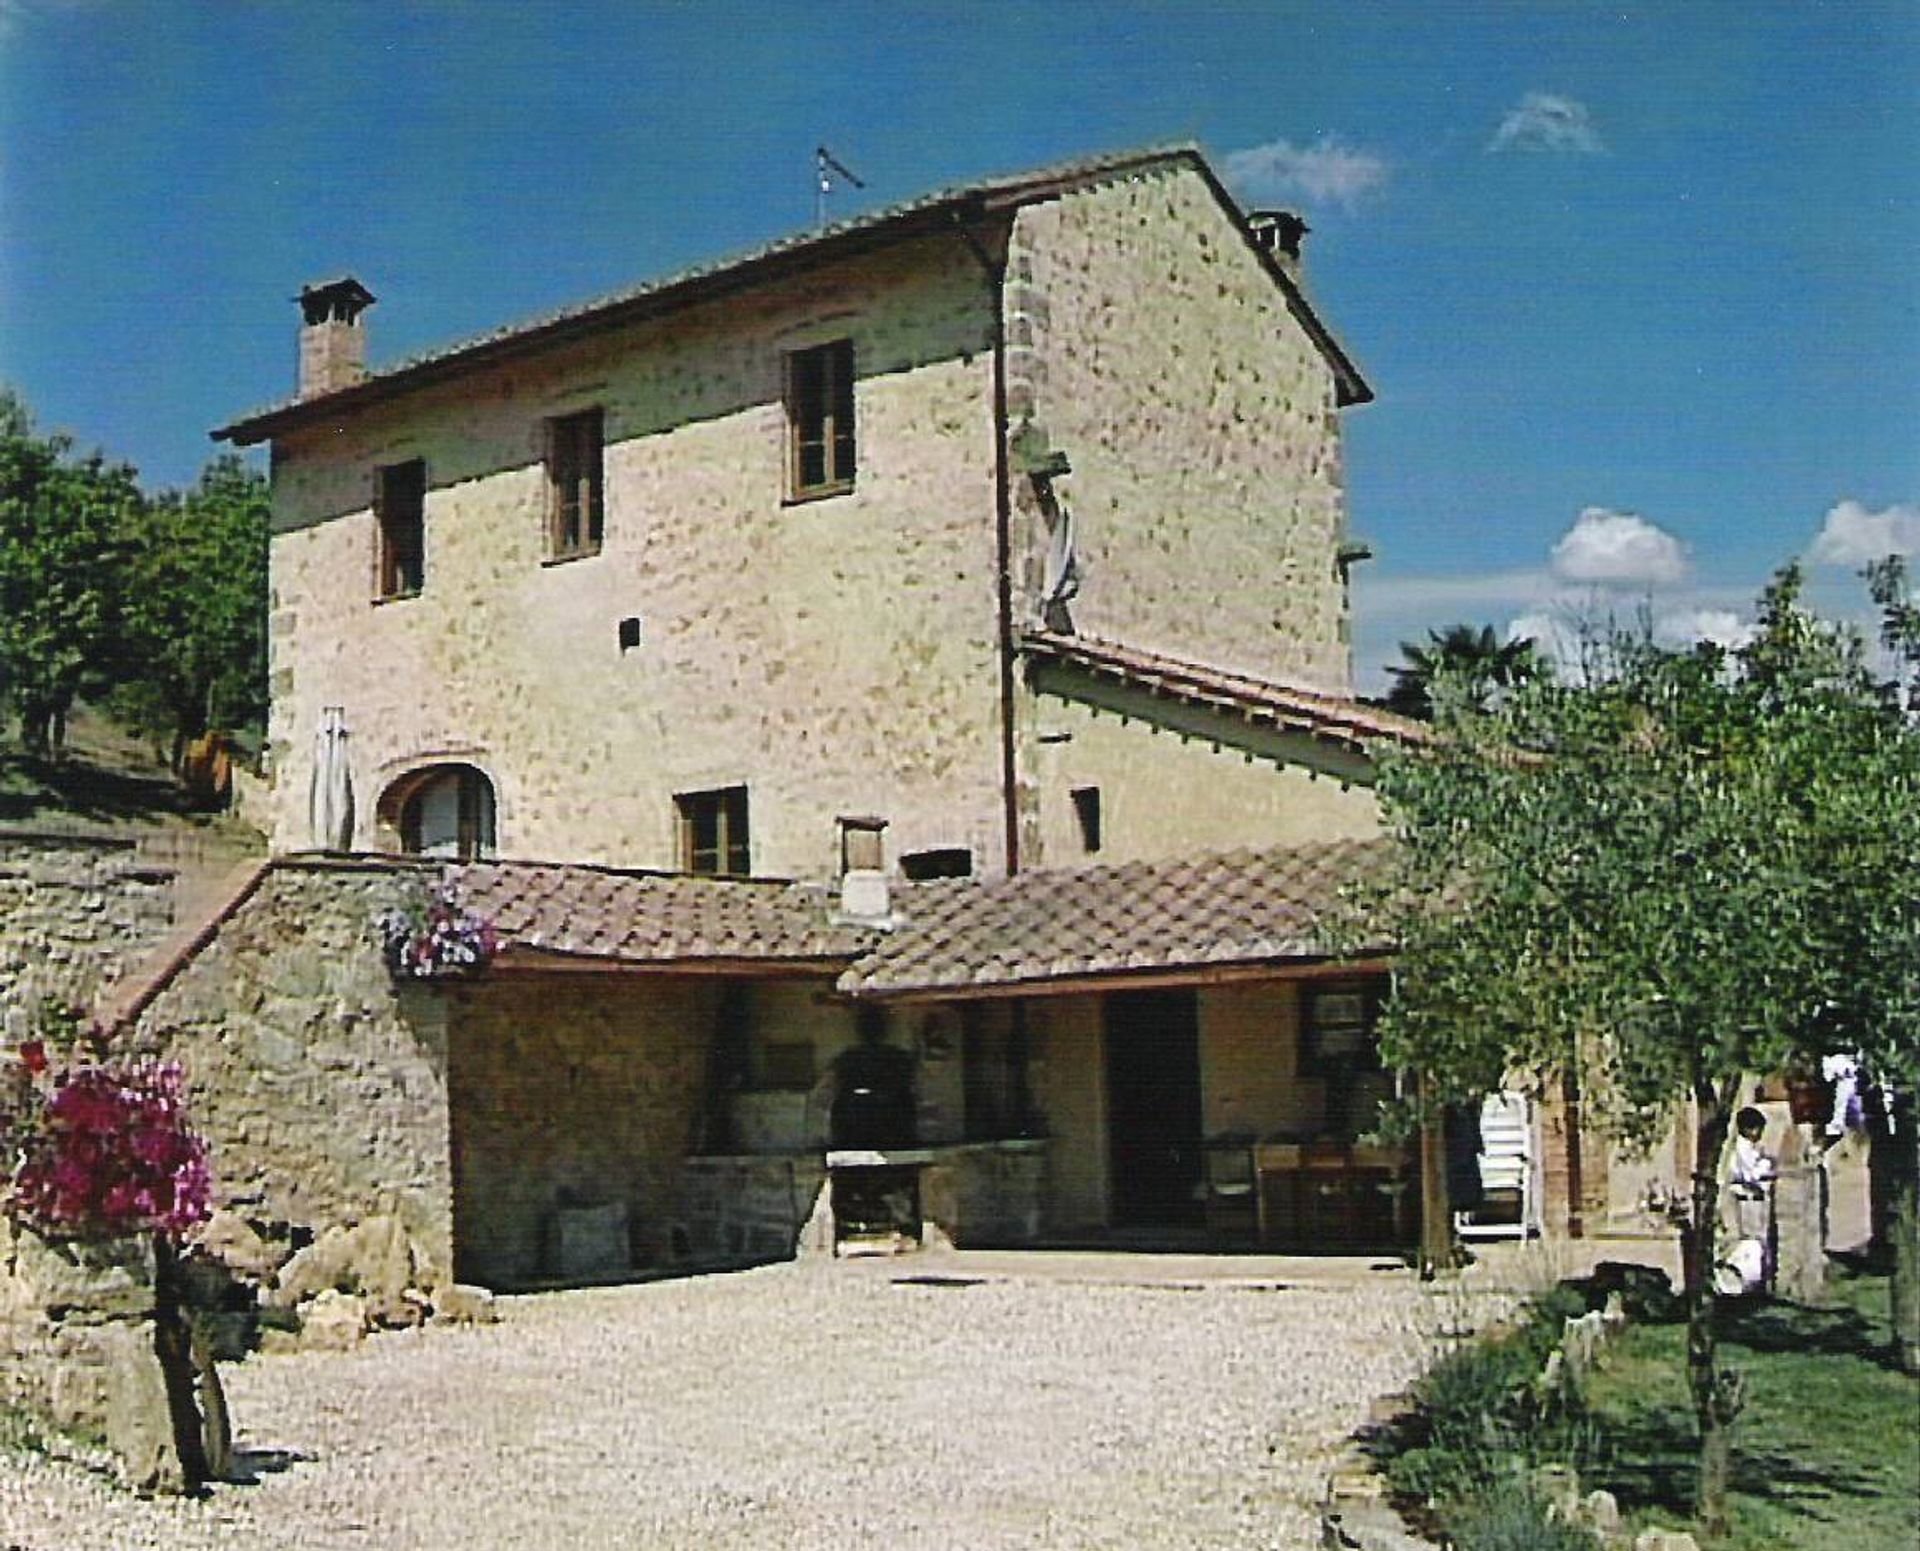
(921, 1402)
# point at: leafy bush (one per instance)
(1510, 1517)
(1487, 1415)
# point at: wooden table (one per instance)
(1315, 1196)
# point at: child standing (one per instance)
(1748, 1264)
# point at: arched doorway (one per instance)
(443, 810)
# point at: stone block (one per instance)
(138, 1424)
(1665, 1540)
(73, 1279)
(589, 1241)
(374, 1258)
(456, 1303)
(1600, 1512)
(333, 1322)
(231, 1240)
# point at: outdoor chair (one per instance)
(1507, 1172)
(1232, 1196)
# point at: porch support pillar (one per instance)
(1436, 1215)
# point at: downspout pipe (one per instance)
(995, 271)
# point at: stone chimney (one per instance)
(333, 340)
(863, 871)
(1279, 233)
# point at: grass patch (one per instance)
(1826, 1453)
(19, 1433)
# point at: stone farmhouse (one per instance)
(890, 694)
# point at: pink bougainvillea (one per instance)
(105, 1149)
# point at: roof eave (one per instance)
(937, 215)
(1302, 966)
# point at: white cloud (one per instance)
(1542, 121)
(1723, 627)
(1329, 170)
(1618, 549)
(1853, 536)
(1556, 635)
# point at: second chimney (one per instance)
(1278, 232)
(863, 874)
(333, 340)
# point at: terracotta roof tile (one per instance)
(1333, 717)
(1242, 907)
(654, 917)
(929, 212)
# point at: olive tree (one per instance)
(1647, 881)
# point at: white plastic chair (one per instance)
(1507, 1167)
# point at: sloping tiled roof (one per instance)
(1258, 700)
(1239, 908)
(654, 918)
(931, 212)
(961, 935)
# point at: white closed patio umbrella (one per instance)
(330, 803)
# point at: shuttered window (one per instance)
(576, 484)
(400, 510)
(820, 419)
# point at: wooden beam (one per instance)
(1094, 983)
(546, 961)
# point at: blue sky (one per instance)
(1634, 283)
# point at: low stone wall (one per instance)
(76, 914)
(987, 1193)
(319, 1083)
(753, 1207)
(747, 1206)
(78, 1350)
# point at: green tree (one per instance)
(61, 520)
(1460, 661)
(1650, 882)
(195, 569)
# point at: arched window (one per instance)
(444, 810)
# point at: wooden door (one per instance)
(1153, 1107)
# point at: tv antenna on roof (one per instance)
(827, 166)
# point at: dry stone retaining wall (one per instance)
(320, 1084)
(78, 1350)
(76, 914)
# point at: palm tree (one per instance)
(1470, 662)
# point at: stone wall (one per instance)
(1150, 345)
(76, 914)
(834, 655)
(744, 1207)
(320, 1085)
(78, 1352)
(569, 1092)
(1162, 792)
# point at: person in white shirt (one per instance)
(1748, 1263)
